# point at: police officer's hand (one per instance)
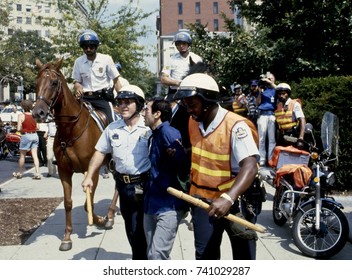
(219, 208)
(300, 144)
(87, 182)
(79, 90)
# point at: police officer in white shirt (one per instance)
(92, 73)
(173, 73)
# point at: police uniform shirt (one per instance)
(242, 142)
(129, 148)
(297, 109)
(180, 65)
(94, 75)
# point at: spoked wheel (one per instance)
(329, 239)
(278, 217)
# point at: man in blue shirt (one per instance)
(162, 211)
(266, 124)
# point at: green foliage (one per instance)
(18, 55)
(233, 56)
(320, 95)
(310, 38)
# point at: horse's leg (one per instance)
(66, 180)
(111, 211)
(97, 220)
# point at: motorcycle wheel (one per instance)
(278, 217)
(329, 239)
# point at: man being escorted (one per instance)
(162, 211)
(224, 165)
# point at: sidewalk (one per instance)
(92, 243)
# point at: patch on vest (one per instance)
(241, 133)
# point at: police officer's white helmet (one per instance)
(132, 92)
(283, 87)
(199, 84)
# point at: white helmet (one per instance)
(283, 87)
(198, 84)
(134, 92)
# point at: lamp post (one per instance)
(20, 87)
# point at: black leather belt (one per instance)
(94, 94)
(132, 179)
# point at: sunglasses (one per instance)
(89, 47)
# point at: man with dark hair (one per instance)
(162, 211)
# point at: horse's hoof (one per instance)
(109, 223)
(65, 245)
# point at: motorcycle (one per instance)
(319, 227)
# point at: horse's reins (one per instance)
(51, 104)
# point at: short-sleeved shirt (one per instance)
(129, 148)
(179, 65)
(94, 75)
(241, 147)
(297, 109)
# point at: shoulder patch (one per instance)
(241, 133)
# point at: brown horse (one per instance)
(77, 134)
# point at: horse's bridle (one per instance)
(51, 103)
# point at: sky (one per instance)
(147, 6)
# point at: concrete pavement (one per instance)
(92, 243)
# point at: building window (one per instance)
(38, 20)
(10, 31)
(19, 7)
(180, 8)
(198, 21)
(39, 32)
(28, 8)
(180, 24)
(28, 20)
(47, 10)
(19, 20)
(216, 25)
(215, 8)
(197, 8)
(47, 33)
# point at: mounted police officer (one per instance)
(92, 73)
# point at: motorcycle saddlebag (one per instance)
(288, 155)
(297, 175)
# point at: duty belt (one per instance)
(94, 94)
(132, 179)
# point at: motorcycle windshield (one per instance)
(330, 133)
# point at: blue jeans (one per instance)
(160, 231)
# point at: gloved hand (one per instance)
(300, 144)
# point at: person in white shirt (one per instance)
(180, 63)
(93, 73)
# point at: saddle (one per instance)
(99, 117)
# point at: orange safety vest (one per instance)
(241, 110)
(285, 118)
(211, 173)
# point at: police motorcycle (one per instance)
(319, 227)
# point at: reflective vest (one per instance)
(238, 109)
(286, 118)
(211, 172)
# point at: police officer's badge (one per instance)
(101, 69)
(241, 133)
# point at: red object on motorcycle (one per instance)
(288, 155)
(13, 137)
(299, 173)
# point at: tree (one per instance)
(236, 56)
(119, 33)
(310, 38)
(18, 55)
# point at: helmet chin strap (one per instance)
(134, 114)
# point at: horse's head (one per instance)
(48, 87)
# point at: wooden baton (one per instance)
(89, 204)
(199, 203)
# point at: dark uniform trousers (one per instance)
(131, 207)
(101, 105)
(208, 233)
